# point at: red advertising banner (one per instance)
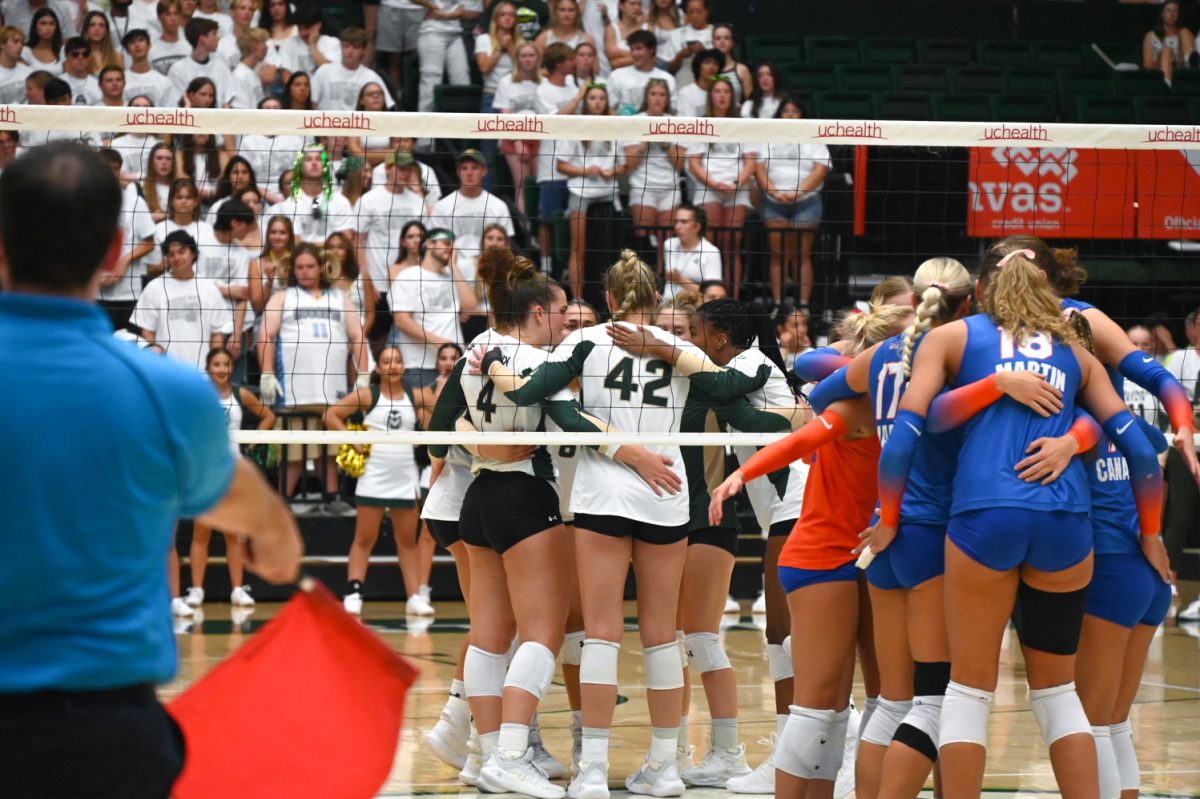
(1057, 192)
(1168, 194)
(1052, 192)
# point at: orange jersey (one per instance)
(839, 500)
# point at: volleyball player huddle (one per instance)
(979, 459)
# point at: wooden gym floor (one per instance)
(1166, 717)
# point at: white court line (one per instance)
(1172, 687)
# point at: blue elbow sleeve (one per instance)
(830, 390)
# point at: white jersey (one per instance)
(566, 463)
(391, 470)
(655, 171)
(232, 405)
(491, 411)
(778, 499)
(312, 349)
(631, 394)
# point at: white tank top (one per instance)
(312, 347)
(233, 414)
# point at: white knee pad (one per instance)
(598, 662)
(1059, 712)
(801, 748)
(572, 649)
(834, 750)
(1127, 762)
(681, 642)
(483, 672)
(965, 715)
(779, 662)
(887, 717)
(531, 670)
(706, 653)
(1106, 764)
(663, 671)
(925, 715)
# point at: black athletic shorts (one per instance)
(502, 509)
(725, 538)
(619, 527)
(445, 533)
(781, 529)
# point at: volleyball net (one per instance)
(806, 214)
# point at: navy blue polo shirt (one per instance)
(106, 446)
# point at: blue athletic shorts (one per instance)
(1005, 538)
(792, 578)
(881, 574)
(1127, 591)
(918, 553)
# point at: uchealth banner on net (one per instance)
(1065, 192)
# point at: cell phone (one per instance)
(694, 41)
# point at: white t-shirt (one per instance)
(12, 84)
(382, 215)
(627, 87)
(223, 20)
(550, 100)
(54, 67)
(483, 46)
(467, 217)
(225, 265)
(335, 88)
(789, 165)
(314, 219)
(516, 97)
(153, 84)
(297, 55)
(199, 230)
(679, 40)
(655, 171)
(432, 299)
(722, 160)
(247, 87)
(698, 265)
(134, 149)
(185, 70)
(429, 179)
(84, 91)
(144, 14)
(1185, 365)
(690, 100)
(601, 153)
(270, 156)
(451, 26)
(163, 55)
(136, 226)
(183, 315)
(228, 51)
(19, 14)
(766, 111)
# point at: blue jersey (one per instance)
(1114, 516)
(1118, 379)
(928, 491)
(995, 440)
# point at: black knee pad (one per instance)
(917, 740)
(1051, 620)
(930, 679)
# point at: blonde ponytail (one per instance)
(632, 285)
(1020, 299)
(941, 283)
(879, 323)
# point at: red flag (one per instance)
(310, 706)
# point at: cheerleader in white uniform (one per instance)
(390, 481)
(235, 400)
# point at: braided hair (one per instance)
(632, 285)
(941, 283)
(745, 323)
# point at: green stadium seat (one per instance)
(1143, 83)
(987, 80)
(1074, 82)
(1005, 54)
(809, 77)
(782, 49)
(1032, 80)
(1104, 110)
(963, 107)
(1059, 55)
(945, 52)
(904, 105)
(922, 79)
(832, 50)
(1023, 108)
(1120, 52)
(888, 51)
(1163, 111)
(1186, 83)
(866, 77)
(844, 105)
(452, 99)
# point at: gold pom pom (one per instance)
(350, 460)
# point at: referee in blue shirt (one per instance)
(106, 446)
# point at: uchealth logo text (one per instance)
(1039, 177)
(1016, 133)
(8, 116)
(338, 121)
(178, 117)
(845, 130)
(1180, 135)
(509, 124)
(686, 127)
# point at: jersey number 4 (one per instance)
(484, 402)
(621, 379)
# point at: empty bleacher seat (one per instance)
(904, 105)
(988, 80)
(962, 107)
(1023, 108)
(1104, 110)
(888, 51)
(809, 77)
(1074, 82)
(832, 50)
(1059, 55)
(1032, 80)
(921, 78)
(1004, 54)
(844, 105)
(1143, 83)
(1163, 110)
(866, 77)
(945, 52)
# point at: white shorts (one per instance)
(391, 478)
(702, 194)
(661, 200)
(578, 204)
(445, 499)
